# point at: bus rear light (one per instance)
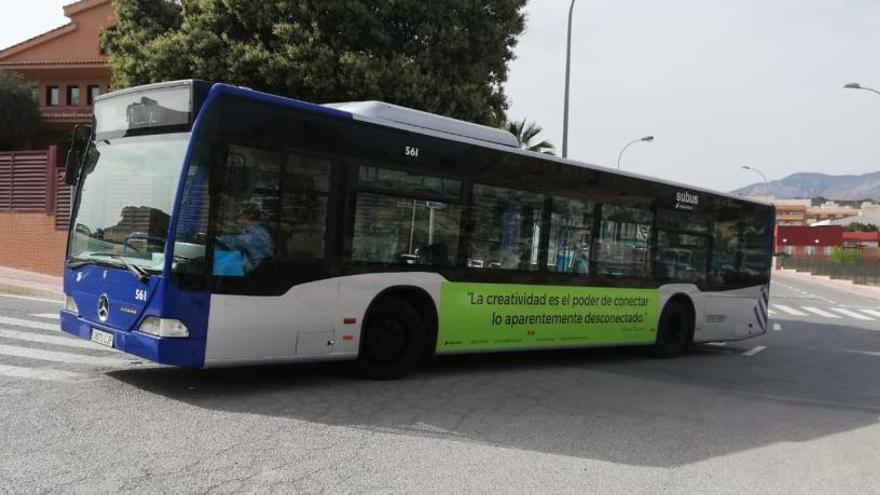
(163, 327)
(349, 321)
(70, 304)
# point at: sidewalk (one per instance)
(24, 283)
(843, 285)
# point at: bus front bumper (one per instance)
(185, 352)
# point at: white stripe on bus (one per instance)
(51, 339)
(39, 325)
(820, 312)
(852, 314)
(872, 312)
(62, 357)
(45, 374)
(789, 310)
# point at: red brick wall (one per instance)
(29, 241)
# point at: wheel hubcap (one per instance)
(673, 330)
(386, 339)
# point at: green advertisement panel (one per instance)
(509, 316)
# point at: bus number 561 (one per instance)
(411, 151)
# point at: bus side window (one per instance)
(725, 250)
(682, 246)
(624, 240)
(755, 252)
(571, 224)
(507, 228)
(304, 201)
(248, 213)
(393, 226)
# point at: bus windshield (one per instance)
(125, 200)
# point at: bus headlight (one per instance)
(163, 327)
(70, 304)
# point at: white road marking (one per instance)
(771, 312)
(872, 312)
(62, 357)
(852, 314)
(866, 353)
(754, 350)
(820, 312)
(45, 374)
(48, 316)
(789, 310)
(29, 298)
(39, 325)
(777, 327)
(51, 339)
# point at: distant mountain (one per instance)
(807, 185)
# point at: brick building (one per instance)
(67, 70)
(808, 242)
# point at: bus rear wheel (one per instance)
(673, 331)
(393, 340)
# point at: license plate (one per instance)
(102, 337)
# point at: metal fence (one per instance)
(860, 273)
(32, 181)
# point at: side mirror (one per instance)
(79, 141)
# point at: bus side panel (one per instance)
(261, 329)
(357, 292)
(734, 315)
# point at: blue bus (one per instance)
(215, 225)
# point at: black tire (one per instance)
(673, 331)
(392, 341)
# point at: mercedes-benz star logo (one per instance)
(103, 307)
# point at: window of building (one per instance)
(93, 92)
(51, 96)
(35, 93)
(810, 250)
(788, 250)
(828, 250)
(73, 95)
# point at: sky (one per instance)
(719, 83)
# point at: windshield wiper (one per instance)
(141, 274)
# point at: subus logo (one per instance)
(687, 198)
(686, 201)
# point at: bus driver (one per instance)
(253, 242)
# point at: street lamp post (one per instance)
(766, 182)
(567, 85)
(646, 139)
(859, 86)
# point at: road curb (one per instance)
(17, 290)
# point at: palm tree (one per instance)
(525, 133)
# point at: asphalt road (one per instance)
(793, 411)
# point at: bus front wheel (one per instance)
(393, 339)
(673, 331)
